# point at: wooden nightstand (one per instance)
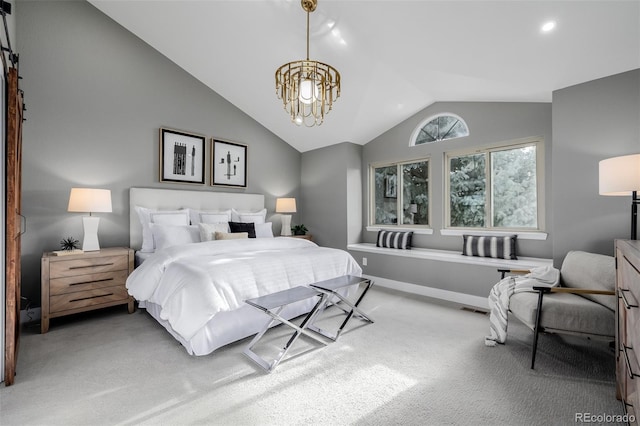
(84, 282)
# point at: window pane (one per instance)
(415, 196)
(386, 181)
(467, 189)
(441, 128)
(513, 177)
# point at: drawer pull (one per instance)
(91, 297)
(632, 375)
(91, 266)
(624, 299)
(91, 282)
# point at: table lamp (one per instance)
(621, 176)
(90, 200)
(286, 205)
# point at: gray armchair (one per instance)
(581, 305)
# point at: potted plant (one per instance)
(299, 229)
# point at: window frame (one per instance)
(420, 228)
(538, 142)
(418, 129)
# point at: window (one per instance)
(496, 188)
(439, 128)
(400, 193)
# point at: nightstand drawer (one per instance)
(88, 266)
(82, 299)
(87, 282)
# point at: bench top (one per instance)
(338, 282)
(282, 298)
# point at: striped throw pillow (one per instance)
(394, 239)
(490, 246)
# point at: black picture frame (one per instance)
(228, 163)
(182, 157)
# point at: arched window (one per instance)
(438, 128)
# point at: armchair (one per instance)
(582, 304)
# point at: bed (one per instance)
(196, 289)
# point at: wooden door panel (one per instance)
(13, 222)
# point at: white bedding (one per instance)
(190, 284)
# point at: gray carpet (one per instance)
(423, 362)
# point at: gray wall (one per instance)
(331, 194)
(96, 97)
(591, 122)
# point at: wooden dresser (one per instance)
(84, 282)
(628, 327)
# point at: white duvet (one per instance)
(193, 282)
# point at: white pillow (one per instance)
(263, 230)
(167, 217)
(201, 216)
(172, 235)
(248, 217)
(208, 230)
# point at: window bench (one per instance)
(440, 274)
(453, 256)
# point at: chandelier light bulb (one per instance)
(308, 92)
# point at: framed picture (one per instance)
(390, 186)
(181, 157)
(228, 164)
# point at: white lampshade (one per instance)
(620, 175)
(285, 205)
(90, 200)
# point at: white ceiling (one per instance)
(395, 57)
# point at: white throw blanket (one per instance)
(193, 282)
(502, 292)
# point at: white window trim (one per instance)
(418, 229)
(416, 131)
(405, 228)
(534, 235)
(540, 157)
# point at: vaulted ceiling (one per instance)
(395, 57)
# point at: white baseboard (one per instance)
(436, 293)
(29, 316)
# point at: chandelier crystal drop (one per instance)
(307, 88)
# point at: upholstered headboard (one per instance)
(173, 199)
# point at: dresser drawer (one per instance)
(87, 282)
(88, 265)
(83, 299)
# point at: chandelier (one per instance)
(307, 88)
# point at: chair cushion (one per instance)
(563, 312)
(589, 270)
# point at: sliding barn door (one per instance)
(13, 223)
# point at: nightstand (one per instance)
(84, 282)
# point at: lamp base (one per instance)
(286, 225)
(90, 227)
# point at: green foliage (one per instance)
(299, 229)
(513, 177)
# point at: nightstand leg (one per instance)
(44, 324)
(131, 305)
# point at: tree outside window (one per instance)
(401, 193)
(494, 188)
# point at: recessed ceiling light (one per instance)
(548, 26)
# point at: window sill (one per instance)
(426, 231)
(522, 235)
